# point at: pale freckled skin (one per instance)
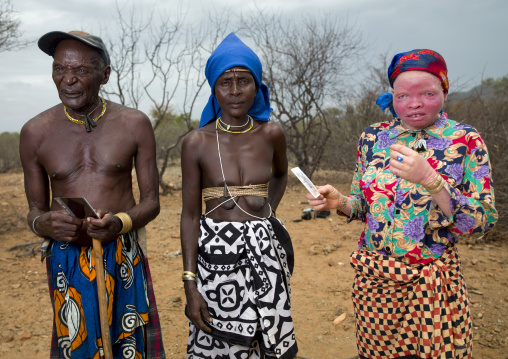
(418, 98)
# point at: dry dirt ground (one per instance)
(321, 282)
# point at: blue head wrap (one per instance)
(232, 52)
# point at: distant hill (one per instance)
(484, 90)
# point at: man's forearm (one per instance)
(143, 213)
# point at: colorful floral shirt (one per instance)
(401, 218)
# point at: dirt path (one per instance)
(320, 285)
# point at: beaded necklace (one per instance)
(229, 126)
(249, 119)
(88, 122)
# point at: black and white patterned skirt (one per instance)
(243, 274)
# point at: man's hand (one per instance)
(105, 228)
(409, 165)
(59, 225)
(329, 198)
(197, 310)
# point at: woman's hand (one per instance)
(409, 165)
(197, 310)
(329, 198)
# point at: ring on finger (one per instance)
(400, 158)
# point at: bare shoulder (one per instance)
(272, 130)
(128, 115)
(198, 143)
(38, 126)
(195, 139)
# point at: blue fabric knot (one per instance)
(384, 101)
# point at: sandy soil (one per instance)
(321, 282)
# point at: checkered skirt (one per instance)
(406, 312)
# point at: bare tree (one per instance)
(358, 111)
(10, 35)
(306, 61)
(159, 60)
(126, 50)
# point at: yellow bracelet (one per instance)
(187, 273)
(438, 188)
(434, 183)
(126, 222)
(343, 205)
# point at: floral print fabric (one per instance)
(401, 218)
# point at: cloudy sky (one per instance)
(470, 34)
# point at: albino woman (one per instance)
(421, 179)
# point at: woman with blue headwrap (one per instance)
(237, 256)
(421, 180)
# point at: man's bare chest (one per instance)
(63, 156)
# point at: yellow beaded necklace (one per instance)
(228, 126)
(88, 121)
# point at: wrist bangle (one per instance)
(436, 184)
(343, 205)
(126, 222)
(433, 182)
(33, 226)
(438, 188)
(187, 273)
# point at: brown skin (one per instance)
(254, 157)
(61, 159)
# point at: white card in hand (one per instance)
(306, 181)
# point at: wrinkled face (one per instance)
(235, 93)
(78, 73)
(418, 97)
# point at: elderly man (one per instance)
(86, 147)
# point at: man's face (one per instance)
(235, 92)
(78, 74)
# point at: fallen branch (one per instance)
(21, 246)
(476, 292)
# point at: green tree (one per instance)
(170, 130)
(9, 153)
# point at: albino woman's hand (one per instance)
(329, 198)
(409, 165)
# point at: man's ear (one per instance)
(107, 72)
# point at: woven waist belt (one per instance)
(260, 190)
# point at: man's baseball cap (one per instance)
(48, 42)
